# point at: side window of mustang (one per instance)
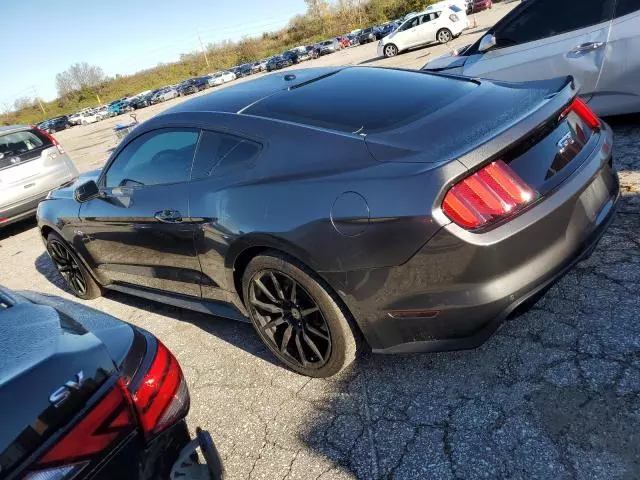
(219, 154)
(155, 158)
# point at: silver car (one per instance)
(597, 42)
(32, 163)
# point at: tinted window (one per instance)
(363, 99)
(625, 7)
(218, 154)
(545, 18)
(154, 158)
(23, 145)
(410, 24)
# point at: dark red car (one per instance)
(479, 5)
(343, 41)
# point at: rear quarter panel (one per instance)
(287, 200)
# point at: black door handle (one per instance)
(168, 216)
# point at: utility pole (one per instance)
(38, 99)
(204, 51)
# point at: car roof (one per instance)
(346, 99)
(13, 128)
(237, 97)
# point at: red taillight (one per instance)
(51, 139)
(580, 108)
(108, 422)
(490, 194)
(162, 397)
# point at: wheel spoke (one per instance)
(286, 337)
(294, 293)
(316, 332)
(277, 285)
(303, 356)
(272, 324)
(264, 290)
(78, 283)
(308, 311)
(267, 307)
(312, 346)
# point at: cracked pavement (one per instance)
(555, 393)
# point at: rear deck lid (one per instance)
(50, 366)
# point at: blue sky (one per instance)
(42, 37)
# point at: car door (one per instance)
(222, 161)
(548, 38)
(618, 89)
(426, 31)
(407, 34)
(138, 231)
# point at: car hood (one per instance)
(47, 342)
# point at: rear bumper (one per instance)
(457, 289)
(26, 207)
(19, 211)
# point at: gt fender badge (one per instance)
(59, 396)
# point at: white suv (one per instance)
(435, 25)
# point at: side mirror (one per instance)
(87, 191)
(487, 43)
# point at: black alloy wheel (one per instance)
(68, 267)
(75, 275)
(289, 319)
(297, 315)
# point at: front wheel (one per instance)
(390, 50)
(71, 269)
(297, 317)
(444, 36)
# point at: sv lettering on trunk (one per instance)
(59, 396)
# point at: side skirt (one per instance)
(220, 309)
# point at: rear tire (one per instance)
(390, 50)
(297, 317)
(444, 35)
(71, 269)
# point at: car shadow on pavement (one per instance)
(238, 334)
(17, 228)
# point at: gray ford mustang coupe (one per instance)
(412, 209)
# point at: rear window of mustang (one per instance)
(363, 100)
